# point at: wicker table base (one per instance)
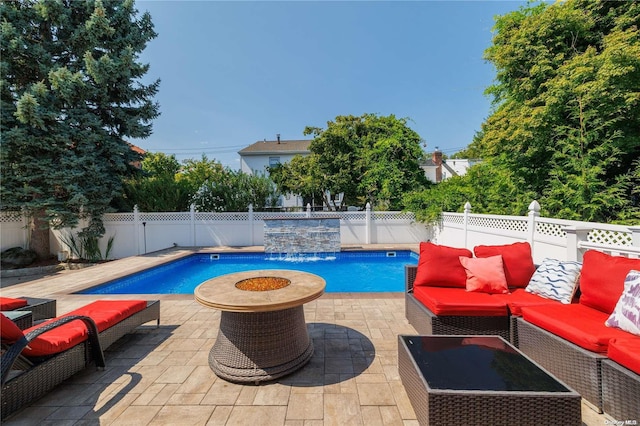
(445, 406)
(259, 346)
(263, 334)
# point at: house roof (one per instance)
(273, 147)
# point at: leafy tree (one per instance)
(155, 188)
(300, 176)
(215, 188)
(233, 191)
(71, 93)
(368, 158)
(196, 173)
(564, 129)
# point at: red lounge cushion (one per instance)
(9, 304)
(456, 301)
(517, 259)
(440, 266)
(105, 313)
(56, 340)
(485, 275)
(576, 323)
(9, 331)
(519, 298)
(625, 352)
(602, 279)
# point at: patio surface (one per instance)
(159, 376)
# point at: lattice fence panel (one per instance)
(263, 216)
(227, 217)
(10, 216)
(453, 218)
(609, 237)
(393, 216)
(499, 223)
(165, 217)
(354, 217)
(550, 229)
(118, 217)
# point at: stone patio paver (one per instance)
(161, 376)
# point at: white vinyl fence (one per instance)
(555, 238)
(138, 232)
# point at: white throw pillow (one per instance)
(556, 280)
(626, 315)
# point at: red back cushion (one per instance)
(10, 332)
(517, 259)
(9, 303)
(602, 279)
(439, 266)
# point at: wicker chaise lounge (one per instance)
(40, 308)
(37, 361)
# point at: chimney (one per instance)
(436, 157)
(278, 136)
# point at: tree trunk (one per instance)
(40, 235)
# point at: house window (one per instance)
(274, 161)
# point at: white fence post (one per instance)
(251, 230)
(308, 210)
(575, 234)
(136, 227)
(192, 218)
(534, 212)
(467, 211)
(367, 221)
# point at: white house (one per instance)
(257, 157)
(436, 169)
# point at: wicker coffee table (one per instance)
(263, 334)
(481, 380)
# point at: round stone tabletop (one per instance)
(222, 293)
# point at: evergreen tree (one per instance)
(71, 93)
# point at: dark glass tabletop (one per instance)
(477, 363)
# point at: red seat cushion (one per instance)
(456, 301)
(9, 304)
(602, 279)
(9, 331)
(626, 352)
(440, 266)
(519, 298)
(576, 323)
(105, 314)
(517, 259)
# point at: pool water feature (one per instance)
(350, 272)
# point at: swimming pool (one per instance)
(352, 272)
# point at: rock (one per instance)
(17, 257)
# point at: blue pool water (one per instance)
(364, 271)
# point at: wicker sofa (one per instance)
(573, 342)
(43, 356)
(575, 348)
(441, 304)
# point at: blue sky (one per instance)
(233, 73)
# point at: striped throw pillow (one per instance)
(556, 280)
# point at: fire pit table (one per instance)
(263, 334)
